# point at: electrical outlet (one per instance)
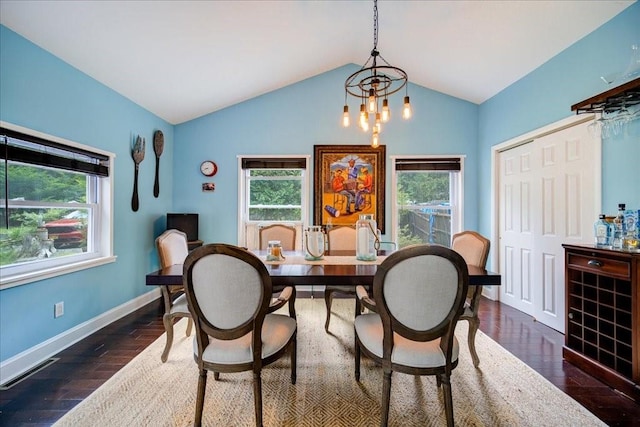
(58, 309)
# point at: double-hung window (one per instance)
(55, 206)
(426, 199)
(273, 190)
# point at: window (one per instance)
(427, 199)
(55, 206)
(272, 190)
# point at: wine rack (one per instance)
(602, 331)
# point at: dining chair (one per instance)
(339, 238)
(172, 249)
(419, 293)
(474, 248)
(229, 291)
(286, 234)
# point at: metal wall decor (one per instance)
(137, 153)
(158, 147)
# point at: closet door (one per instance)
(547, 196)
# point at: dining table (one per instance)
(336, 268)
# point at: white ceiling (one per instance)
(183, 59)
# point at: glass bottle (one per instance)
(631, 218)
(618, 227)
(602, 231)
(367, 240)
(630, 240)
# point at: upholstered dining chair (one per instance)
(419, 293)
(229, 291)
(287, 236)
(285, 233)
(172, 249)
(339, 238)
(474, 248)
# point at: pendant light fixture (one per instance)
(372, 85)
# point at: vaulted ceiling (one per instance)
(184, 59)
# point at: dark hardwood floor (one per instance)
(44, 397)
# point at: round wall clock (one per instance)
(208, 168)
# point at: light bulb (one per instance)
(362, 118)
(375, 139)
(345, 116)
(386, 113)
(365, 125)
(406, 111)
(377, 127)
(372, 101)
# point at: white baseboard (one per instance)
(491, 292)
(22, 362)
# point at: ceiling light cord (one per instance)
(375, 27)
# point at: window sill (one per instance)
(22, 279)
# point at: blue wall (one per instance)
(546, 95)
(290, 121)
(41, 92)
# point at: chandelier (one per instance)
(372, 85)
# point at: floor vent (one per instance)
(39, 367)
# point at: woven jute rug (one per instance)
(501, 392)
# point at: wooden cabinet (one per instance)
(602, 334)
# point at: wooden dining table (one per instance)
(339, 268)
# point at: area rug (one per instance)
(503, 391)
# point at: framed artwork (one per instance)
(208, 187)
(348, 181)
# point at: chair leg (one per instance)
(202, 385)
(189, 326)
(294, 359)
(448, 400)
(474, 324)
(167, 320)
(328, 301)
(386, 398)
(357, 360)
(257, 397)
(292, 306)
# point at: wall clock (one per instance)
(208, 168)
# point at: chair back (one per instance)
(285, 233)
(473, 247)
(341, 238)
(228, 291)
(419, 293)
(172, 247)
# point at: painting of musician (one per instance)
(348, 181)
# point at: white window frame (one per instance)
(456, 193)
(243, 201)
(99, 238)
